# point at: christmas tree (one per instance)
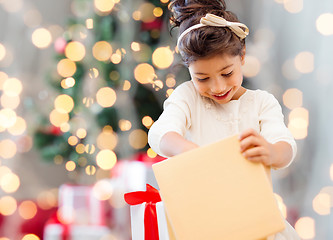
(112, 73)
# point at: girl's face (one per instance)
(218, 78)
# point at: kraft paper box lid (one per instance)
(214, 193)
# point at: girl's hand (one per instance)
(255, 148)
(173, 143)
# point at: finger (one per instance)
(255, 152)
(257, 159)
(249, 142)
(246, 133)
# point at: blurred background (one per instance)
(81, 82)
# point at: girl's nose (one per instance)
(218, 86)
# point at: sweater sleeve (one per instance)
(176, 116)
(272, 126)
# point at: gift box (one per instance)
(75, 232)
(213, 192)
(148, 219)
(78, 205)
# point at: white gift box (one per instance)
(76, 232)
(78, 205)
(137, 222)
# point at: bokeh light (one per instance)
(104, 6)
(107, 139)
(90, 148)
(106, 97)
(103, 190)
(324, 24)
(102, 51)
(67, 83)
(41, 38)
(127, 85)
(70, 166)
(66, 67)
(106, 159)
(293, 6)
(27, 209)
(75, 51)
(81, 133)
(7, 117)
(89, 23)
(151, 153)
(64, 103)
(11, 102)
(147, 12)
(47, 199)
(299, 122)
(304, 62)
(170, 81)
(8, 205)
(162, 57)
(305, 227)
(135, 46)
(115, 58)
(158, 11)
(10, 182)
(19, 127)
(80, 148)
(138, 139)
(90, 170)
(251, 67)
(93, 73)
(58, 118)
(144, 73)
(30, 236)
(73, 140)
(147, 121)
(293, 98)
(322, 204)
(12, 87)
(8, 148)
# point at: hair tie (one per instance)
(240, 29)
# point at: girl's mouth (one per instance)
(221, 96)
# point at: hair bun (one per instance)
(185, 9)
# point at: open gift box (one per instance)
(214, 193)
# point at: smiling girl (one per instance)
(214, 105)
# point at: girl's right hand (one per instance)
(172, 143)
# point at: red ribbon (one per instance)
(151, 196)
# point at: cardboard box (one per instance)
(214, 193)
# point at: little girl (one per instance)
(214, 105)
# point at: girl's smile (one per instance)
(218, 78)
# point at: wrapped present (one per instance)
(57, 229)
(78, 205)
(213, 192)
(148, 219)
(75, 232)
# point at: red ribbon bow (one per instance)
(151, 196)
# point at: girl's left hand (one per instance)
(255, 148)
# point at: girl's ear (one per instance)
(243, 55)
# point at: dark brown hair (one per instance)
(207, 41)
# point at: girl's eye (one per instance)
(227, 74)
(202, 79)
